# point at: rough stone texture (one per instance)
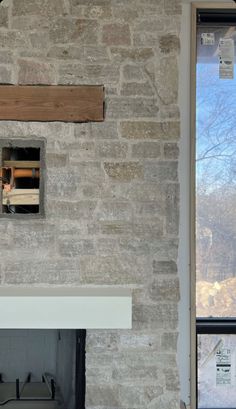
(124, 171)
(34, 72)
(4, 17)
(150, 130)
(112, 194)
(5, 75)
(169, 43)
(116, 34)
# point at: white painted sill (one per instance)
(65, 308)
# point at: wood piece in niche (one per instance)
(21, 164)
(21, 197)
(52, 103)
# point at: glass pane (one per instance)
(215, 179)
(216, 371)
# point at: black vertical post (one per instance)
(80, 377)
(17, 388)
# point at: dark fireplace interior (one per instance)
(42, 369)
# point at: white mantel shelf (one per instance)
(63, 307)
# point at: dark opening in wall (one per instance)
(42, 369)
(22, 177)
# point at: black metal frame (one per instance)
(18, 391)
(80, 387)
(214, 326)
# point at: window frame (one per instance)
(199, 325)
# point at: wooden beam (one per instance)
(24, 164)
(21, 197)
(52, 103)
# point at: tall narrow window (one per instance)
(216, 208)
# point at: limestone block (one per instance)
(5, 75)
(65, 209)
(150, 208)
(153, 25)
(96, 55)
(172, 7)
(145, 39)
(134, 245)
(122, 13)
(146, 150)
(106, 246)
(6, 57)
(135, 55)
(139, 396)
(168, 400)
(12, 39)
(22, 23)
(163, 315)
(164, 267)
(171, 151)
(72, 246)
(169, 43)
(169, 341)
(62, 183)
(148, 228)
(102, 395)
(102, 341)
(81, 151)
(36, 235)
(90, 3)
(114, 228)
(35, 72)
(161, 171)
(108, 211)
(112, 150)
(39, 40)
(172, 380)
(132, 72)
(56, 160)
(124, 171)
(172, 208)
(50, 8)
(167, 78)
(4, 17)
(137, 88)
(94, 74)
(41, 270)
(110, 270)
(166, 289)
(139, 341)
(115, 34)
(150, 130)
(91, 172)
(131, 107)
(79, 31)
(99, 130)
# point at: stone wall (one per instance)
(112, 188)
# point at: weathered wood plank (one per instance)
(22, 164)
(52, 103)
(21, 197)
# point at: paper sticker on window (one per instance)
(207, 38)
(226, 58)
(223, 367)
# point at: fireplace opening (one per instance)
(42, 369)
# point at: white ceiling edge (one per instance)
(65, 308)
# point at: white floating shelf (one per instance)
(63, 308)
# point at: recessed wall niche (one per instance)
(22, 177)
